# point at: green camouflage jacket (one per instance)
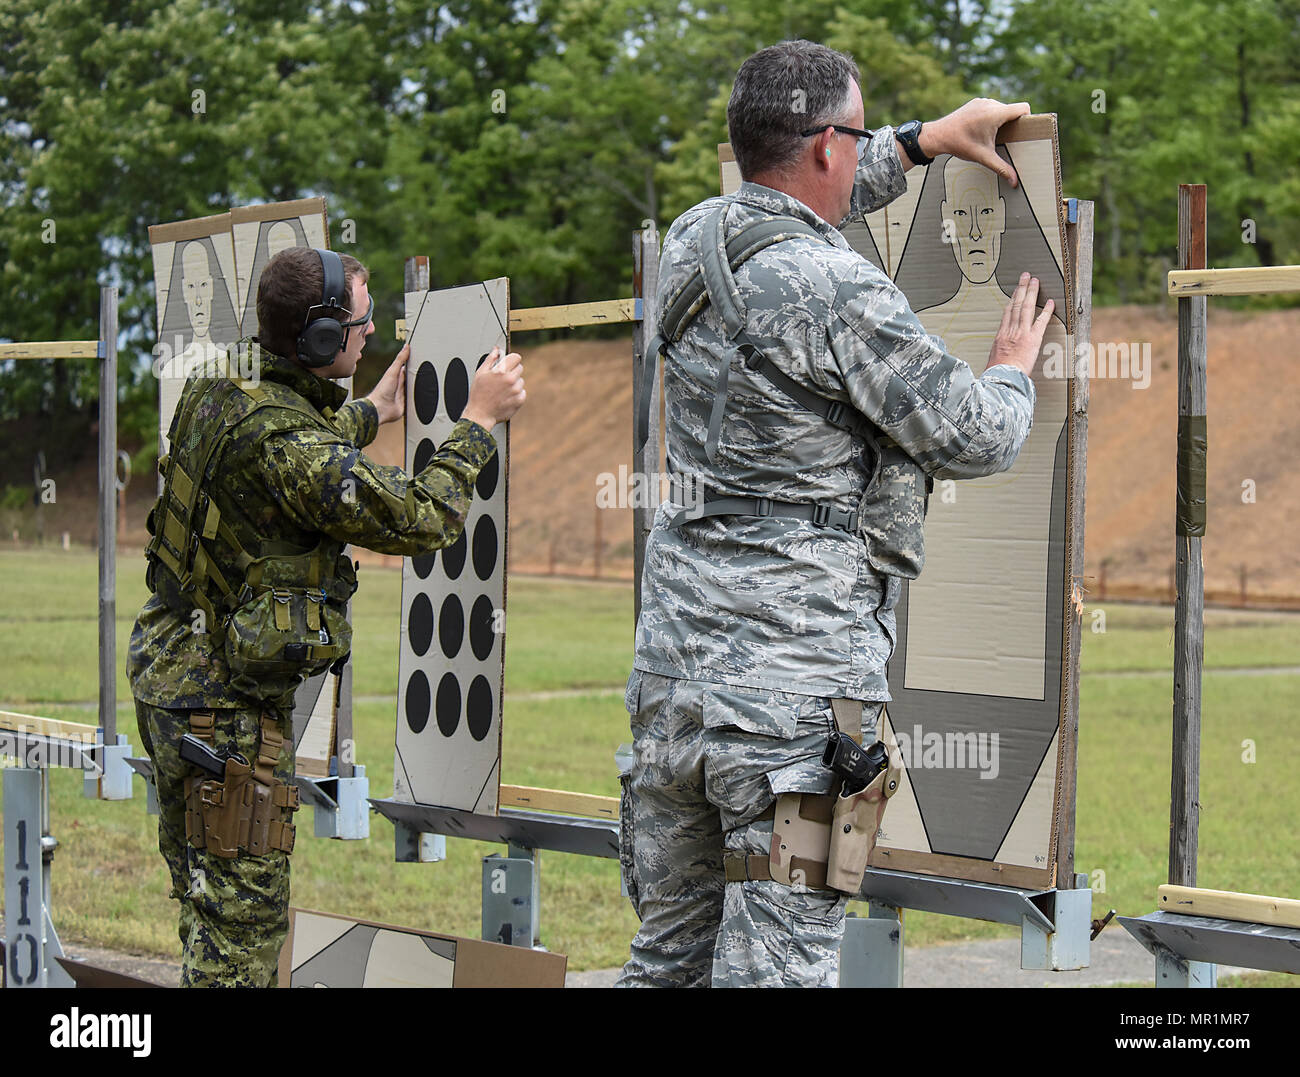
(772, 603)
(290, 487)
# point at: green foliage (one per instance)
(532, 138)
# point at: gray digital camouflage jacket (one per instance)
(781, 603)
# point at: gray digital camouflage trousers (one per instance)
(708, 760)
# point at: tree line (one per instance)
(531, 138)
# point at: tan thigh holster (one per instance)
(822, 841)
(248, 811)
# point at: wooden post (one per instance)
(645, 283)
(1080, 236)
(108, 514)
(1189, 605)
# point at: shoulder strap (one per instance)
(189, 518)
(714, 282)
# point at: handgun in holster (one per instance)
(241, 808)
(835, 830)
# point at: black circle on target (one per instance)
(485, 547)
(451, 626)
(487, 477)
(448, 705)
(417, 702)
(453, 558)
(423, 454)
(426, 392)
(456, 388)
(419, 625)
(481, 628)
(478, 708)
(423, 564)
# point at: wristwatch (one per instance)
(909, 134)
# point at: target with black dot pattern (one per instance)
(452, 649)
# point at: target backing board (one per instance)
(981, 675)
(327, 950)
(451, 657)
(198, 320)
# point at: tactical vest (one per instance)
(279, 611)
(714, 282)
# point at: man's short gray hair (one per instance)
(781, 90)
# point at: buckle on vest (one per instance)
(835, 413)
(762, 506)
(828, 516)
(753, 357)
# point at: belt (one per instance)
(821, 515)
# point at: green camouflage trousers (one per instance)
(708, 759)
(234, 913)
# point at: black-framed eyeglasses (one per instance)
(361, 321)
(863, 136)
(349, 326)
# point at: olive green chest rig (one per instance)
(277, 609)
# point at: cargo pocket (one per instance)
(753, 737)
(632, 695)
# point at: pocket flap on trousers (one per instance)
(755, 710)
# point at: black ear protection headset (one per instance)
(323, 336)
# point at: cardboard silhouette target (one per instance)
(328, 950)
(978, 674)
(198, 320)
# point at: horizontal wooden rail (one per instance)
(11, 722)
(1226, 905)
(574, 314)
(522, 796)
(1253, 280)
(52, 349)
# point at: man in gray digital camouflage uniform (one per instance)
(751, 625)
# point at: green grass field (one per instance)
(109, 883)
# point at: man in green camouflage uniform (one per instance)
(287, 475)
(754, 621)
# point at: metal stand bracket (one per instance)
(110, 778)
(1066, 947)
(511, 904)
(31, 943)
(340, 806)
(871, 954)
(412, 846)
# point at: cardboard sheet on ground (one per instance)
(326, 950)
(452, 646)
(205, 274)
(977, 676)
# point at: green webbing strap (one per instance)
(190, 519)
(1192, 452)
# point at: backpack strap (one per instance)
(689, 300)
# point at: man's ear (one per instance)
(1001, 216)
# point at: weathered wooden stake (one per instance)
(1189, 605)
